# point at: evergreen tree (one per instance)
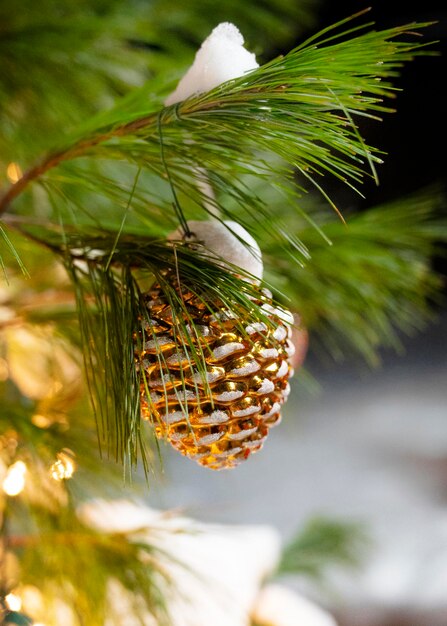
(96, 173)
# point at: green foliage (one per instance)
(71, 563)
(108, 313)
(112, 311)
(298, 108)
(131, 174)
(323, 543)
(103, 201)
(61, 62)
(373, 282)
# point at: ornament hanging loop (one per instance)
(176, 204)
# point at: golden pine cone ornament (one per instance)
(220, 413)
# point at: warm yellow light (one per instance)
(41, 421)
(63, 468)
(14, 481)
(4, 369)
(32, 600)
(13, 602)
(13, 172)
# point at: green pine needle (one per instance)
(112, 310)
(298, 111)
(321, 544)
(374, 282)
(69, 562)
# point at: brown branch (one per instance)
(82, 147)
(77, 150)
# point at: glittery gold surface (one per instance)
(218, 409)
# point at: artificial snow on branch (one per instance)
(296, 111)
(221, 57)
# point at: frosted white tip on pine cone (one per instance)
(221, 57)
(228, 241)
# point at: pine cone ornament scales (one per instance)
(219, 410)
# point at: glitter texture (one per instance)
(221, 413)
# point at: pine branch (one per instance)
(323, 543)
(295, 111)
(112, 311)
(61, 64)
(299, 108)
(374, 282)
(69, 562)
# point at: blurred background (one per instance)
(369, 445)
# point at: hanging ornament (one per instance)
(220, 413)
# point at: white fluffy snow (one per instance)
(174, 417)
(269, 353)
(216, 417)
(182, 395)
(248, 411)
(284, 368)
(221, 57)
(265, 387)
(290, 348)
(209, 439)
(177, 358)
(257, 327)
(250, 368)
(227, 241)
(243, 434)
(275, 409)
(221, 352)
(229, 396)
(154, 344)
(280, 333)
(285, 316)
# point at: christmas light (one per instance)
(13, 172)
(63, 468)
(14, 481)
(41, 421)
(13, 602)
(4, 370)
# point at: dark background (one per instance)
(414, 138)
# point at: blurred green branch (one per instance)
(376, 279)
(321, 544)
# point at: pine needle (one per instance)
(322, 544)
(297, 111)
